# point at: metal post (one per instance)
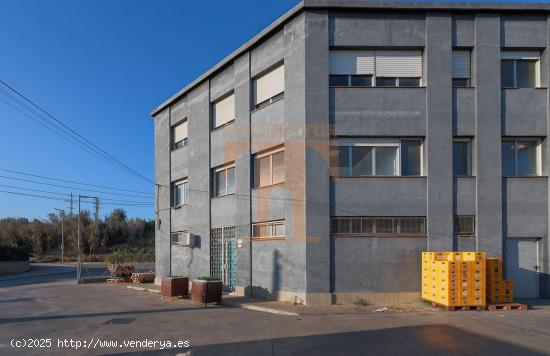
(78, 260)
(62, 214)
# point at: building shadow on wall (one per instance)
(413, 340)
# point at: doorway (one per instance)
(223, 256)
(522, 266)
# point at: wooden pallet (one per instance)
(454, 307)
(118, 280)
(507, 306)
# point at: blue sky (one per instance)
(101, 66)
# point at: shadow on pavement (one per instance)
(91, 315)
(415, 340)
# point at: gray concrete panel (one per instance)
(463, 30)
(180, 163)
(464, 196)
(224, 211)
(464, 115)
(383, 264)
(524, 112)
(488, 129)
(225, 144)
(523, 31)
(439, 139)
(268, 53)
(222, 83)
(376, 29)
(269, 126)
(379, 196)
(525, 210)
(378, 111)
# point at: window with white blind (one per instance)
(268, 229)
(269, 87)
(461, 68)
(379, 226)
(376, 157)
(223, 111)
(224, 180)
(179, 192)
(520, 69)
(179, 135)
(269, 167)
(375, 68)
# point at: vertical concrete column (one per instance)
(439, 131)
(162, 177)
(488, 134)
(317, 158)
(545, 245)
(199, 176)
(242, 173)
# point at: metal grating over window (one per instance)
(379, 226)
(465, 225)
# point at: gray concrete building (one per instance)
(317, 161)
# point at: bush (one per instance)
(11, 253)
(208, 279)
(130, 255)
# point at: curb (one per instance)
(257, 308)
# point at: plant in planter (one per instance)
(207, 290)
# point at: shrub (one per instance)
(11, 253)
(130, 255)
(208, 279)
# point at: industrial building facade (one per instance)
(319, 160)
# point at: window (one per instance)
(380, 68)
(269, 168)
(179, 193)
(179, 135)
(179, 237)
(376, 226)
(464, 225)
(462, 154)
(224, 180)
(520, 69)
(376, 158)
(269, 87)
(520, 157)
(461, 68)
(223, 111)
(269, 229)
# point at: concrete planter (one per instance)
(174, 286)
(206, 291)
(11, 267)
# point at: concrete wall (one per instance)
(310, 263)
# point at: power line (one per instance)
(106, 155)
(67, 194)
(61, 199)
(74, 188)
(74, 182)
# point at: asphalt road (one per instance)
(60, 317)
(51, 272)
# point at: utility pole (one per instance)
(71, 203)
(79, 257)
(62, 213)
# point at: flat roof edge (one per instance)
(351, 4)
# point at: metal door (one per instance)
(223, 256)
(522, 266)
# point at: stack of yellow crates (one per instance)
(454, 278)
(498, 290)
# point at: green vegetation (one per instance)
(126, 239)
(208, 279)
(11, 253)
(130, 255)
